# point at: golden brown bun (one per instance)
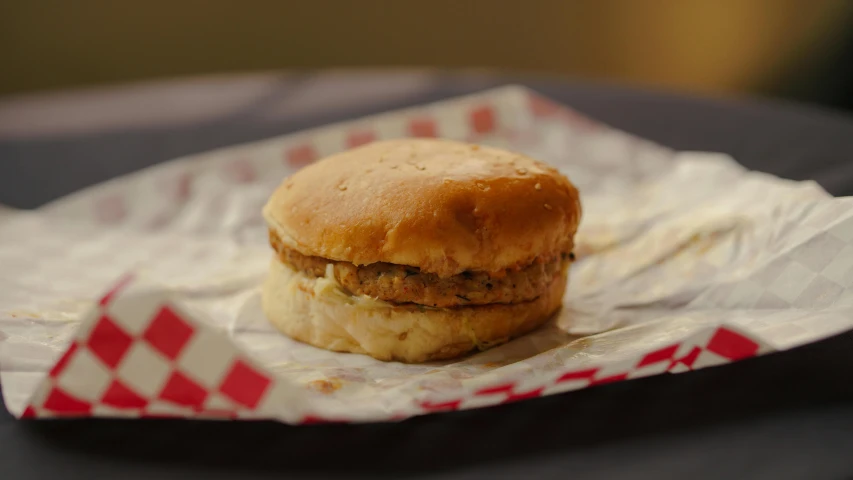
(316, 311)
(439, 205)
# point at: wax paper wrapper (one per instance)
(685, 260)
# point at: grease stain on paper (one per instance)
(325, 386)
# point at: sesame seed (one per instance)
(342, 187)
(521, 171)
(538, 186)
(547, 207)
(420, 167)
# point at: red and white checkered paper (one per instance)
(685, 261)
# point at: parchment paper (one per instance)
(673, 247)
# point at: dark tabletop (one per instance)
(787, 415)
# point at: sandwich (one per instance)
(417, 250)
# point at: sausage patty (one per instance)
(404, 284)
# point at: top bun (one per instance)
(439, 205)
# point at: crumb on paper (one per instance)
(325, 386)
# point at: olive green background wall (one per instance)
(711, 46)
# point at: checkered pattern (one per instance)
(711, 347)
(814, 271)
(470, 118)
(139, 354)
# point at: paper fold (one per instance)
(685, 260)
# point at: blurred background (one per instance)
(101, 88)
(795, 49)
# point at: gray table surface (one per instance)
(783, 416)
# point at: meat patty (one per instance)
(404, 284)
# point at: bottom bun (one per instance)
(319, 312)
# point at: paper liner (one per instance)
(686, 260)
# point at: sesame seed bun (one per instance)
(442, 206)
(457, 216)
